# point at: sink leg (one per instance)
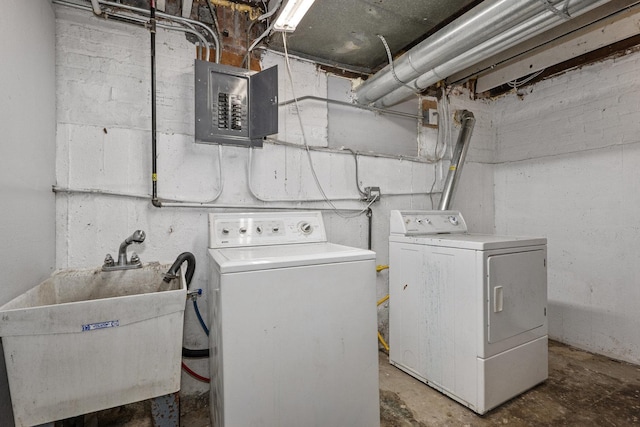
(165, 410)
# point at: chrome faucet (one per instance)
(109, 264)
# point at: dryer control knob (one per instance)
(305, 227)
(453, 220)
(225, 231)
(259, 229)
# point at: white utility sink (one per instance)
(87, 340)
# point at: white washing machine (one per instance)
(293, 334)
(467, 312)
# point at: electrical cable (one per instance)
(195, 375)
(516, 84)
(214, 17)
(306, 145)
(262, 199)
(355, 158)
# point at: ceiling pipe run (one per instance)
(490, 27)
(457, 161)
(96, 7)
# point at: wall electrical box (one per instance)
(234, 105)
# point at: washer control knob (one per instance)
(453, 220)
(242, 230)
(225, 231)
(275, 229)
(259, 229)
(305, 227)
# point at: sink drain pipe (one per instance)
(171, 274)
(457, 160)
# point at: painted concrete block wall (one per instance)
(104, 144)
(568, 169)
(27, 150)
(27, 108)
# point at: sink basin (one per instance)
(87, 340)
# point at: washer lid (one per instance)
(240, 259)
(479, 242)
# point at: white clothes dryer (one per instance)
(293, 336)
(467, 312)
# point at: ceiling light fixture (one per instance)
(291, 15)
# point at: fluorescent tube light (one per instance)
(291, 15)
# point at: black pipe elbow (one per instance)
(173, 270)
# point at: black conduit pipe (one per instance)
(154, 155)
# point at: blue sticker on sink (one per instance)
(100, 325)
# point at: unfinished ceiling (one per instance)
(344, 33)
(497, 45)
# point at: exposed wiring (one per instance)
(516, 84)
(214, 17)
(306, 145)
(260, 37)
(262, 199)
(355, 158)
(393, 70)
(195, 375)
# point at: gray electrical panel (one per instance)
(235, 106)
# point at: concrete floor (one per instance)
(583, 389)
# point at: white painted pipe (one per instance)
(96, 7)
(480, 26)
(187, 5)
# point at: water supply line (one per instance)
(468, 121)
(490, 27)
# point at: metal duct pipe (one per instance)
(457, 161)
(483, 25)
(506, 40)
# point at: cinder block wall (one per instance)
(568, 155)
(104, 143)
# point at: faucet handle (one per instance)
(135, 259)
(108, 260)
